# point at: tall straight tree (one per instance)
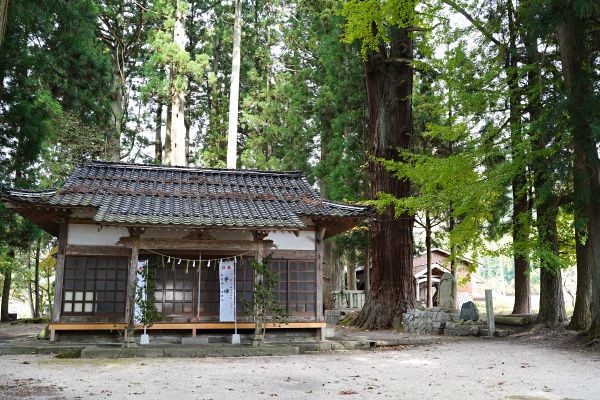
(178, 89)
(235, 87)
(120, 26)
(576, 23)
(388, 51)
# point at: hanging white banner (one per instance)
(226, 278)
(139, 289)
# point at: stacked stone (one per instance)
(432, 321)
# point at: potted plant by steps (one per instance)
(142, 310)
(265, 307)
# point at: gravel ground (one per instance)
(534, 365)
(477, 369)
(17, 330)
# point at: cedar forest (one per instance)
(475, 120)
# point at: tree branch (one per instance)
(475, 23)
(429, 71)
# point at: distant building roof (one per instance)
(153, 195)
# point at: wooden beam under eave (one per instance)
(179, 244)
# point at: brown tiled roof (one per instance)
(193, 197)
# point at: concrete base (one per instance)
(194, 340)
(328, 332)
(235, 339)
(145, 339)
(208, 351)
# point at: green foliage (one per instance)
(144, 296)
(265, 307)
(368, 20)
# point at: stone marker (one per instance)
(469, 311)
(489, 309)
(447, 291)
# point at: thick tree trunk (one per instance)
(522, 282)
(552, 303)
(520, 216)
(574, 55)
(113, 143)
(389, 87)
(582, 317)
(5, 295)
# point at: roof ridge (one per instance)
(181, 168)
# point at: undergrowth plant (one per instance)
(265, 307)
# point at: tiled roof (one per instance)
(194, 197)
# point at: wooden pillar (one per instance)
(131, 281)
(319, 235)
(60, 269)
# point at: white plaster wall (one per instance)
(87, 234)
(165, 233)
(288, 241)
(231, 234)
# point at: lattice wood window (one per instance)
(174, 293)
(209, 291)
(297, 285)
(95, 285)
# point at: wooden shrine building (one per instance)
(111, 217)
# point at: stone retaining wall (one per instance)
(432, 321)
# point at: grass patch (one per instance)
(42, 320)
(71, 354)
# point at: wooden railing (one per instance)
(349, 299)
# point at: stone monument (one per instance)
(447, 291)
(469, 312)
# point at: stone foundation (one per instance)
(432, 321)
(444, 321)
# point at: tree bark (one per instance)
(235, 88)
(351, 277)
(113, 143)
(428, 229)
(168, 154)
(572, 31)
(582, 317)
(5, 294)
(37, 279)
(552, 303)
(389, 87)
(158, 132)
(178, 130)
(3, 14)
(367, 269)
(520, 216)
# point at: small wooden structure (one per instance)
(350, 300)
(110, 218)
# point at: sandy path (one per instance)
(477, 369)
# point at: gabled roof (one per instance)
(153, 195)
